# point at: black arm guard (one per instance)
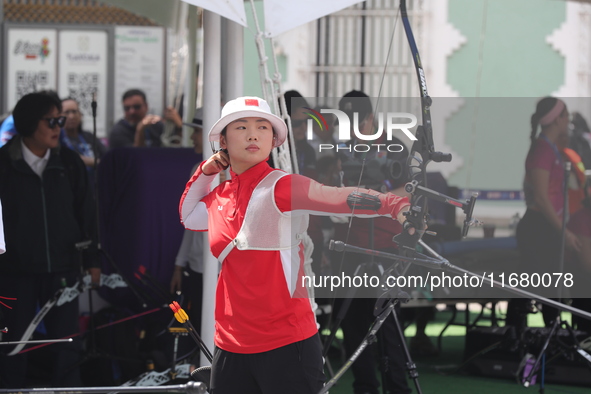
(364, 201)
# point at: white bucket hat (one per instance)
(248, 107)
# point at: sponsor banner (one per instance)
(31, 62)
(139, 64)
(83, 61)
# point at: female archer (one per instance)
(266, 335)
(539, 232)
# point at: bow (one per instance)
(61, 297)
(421, 154)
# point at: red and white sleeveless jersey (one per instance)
(255, 310)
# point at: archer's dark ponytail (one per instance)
(544, 106)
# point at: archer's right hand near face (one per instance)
(217, 162)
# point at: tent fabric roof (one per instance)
(92, 13)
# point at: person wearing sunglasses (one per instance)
(137, 128)
(7, 128)
(47, 209)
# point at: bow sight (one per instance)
(421, 154)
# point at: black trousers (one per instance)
(293, 369)
(60, 321)
(539, 246)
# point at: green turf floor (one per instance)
(445, 373)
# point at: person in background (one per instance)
(7, 130)
(75, 138)
(580, 138)
(47, 210)
(577, 181)
(539, 232)
(321, 228)
(360, 316)
(137, 128)
(305, 156)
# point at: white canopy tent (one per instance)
(279, 14)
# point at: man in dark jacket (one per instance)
(47, 209)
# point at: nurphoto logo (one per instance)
(402, 121)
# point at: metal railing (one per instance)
(352, 47)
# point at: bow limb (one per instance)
(425, 98)
(60, 297)
(35, 322)
(421, 151)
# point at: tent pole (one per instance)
(232, 60)
(211, 113)
(190, 86)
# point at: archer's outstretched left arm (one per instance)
(297, 194)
